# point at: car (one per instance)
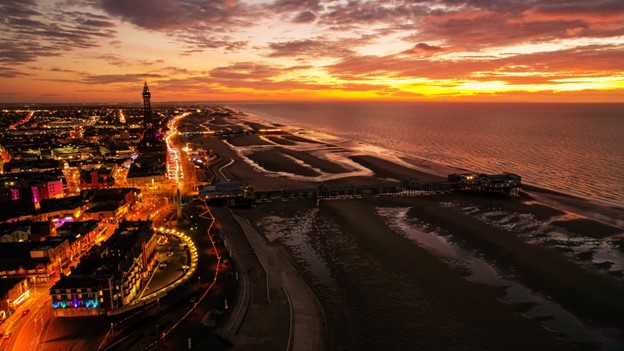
(162, 265)
(186, 267)
(25, 312)
(169, 253)
(7, 335)
(182, 244)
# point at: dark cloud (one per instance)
(309, 48)
(584, 61)
(7, 72)
(30, 34)
(117, 60)
(593, 59)
(117, 78)
(245, 71)
(295, 11)
(589, 10)
(178, 14)
(17, 53)
(259, 77)
(149, 62)
(167, 71)
(304, 17)
(198, 24)
(427, 47)
(275, 85)
(422, 49)
(18, 9)
(295, 5)
(209, 84)
(474, 30)
(202, 38)
(473, 25)
(371, 12)
(57, 69)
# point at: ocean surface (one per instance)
(571, 148)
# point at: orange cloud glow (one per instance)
(219, 50)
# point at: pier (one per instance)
(327, 193)
(507, 184)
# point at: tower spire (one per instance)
(149, 134)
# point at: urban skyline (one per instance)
(190, 50)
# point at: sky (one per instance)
(278, 50)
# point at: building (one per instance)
(16, 166)
(96, 178)
(81, 236)
(109, 204)
(36, 261)
(148, 173)
(32, 186)
(59, 210)
(13, 292)
(14, 232)
(52, 189)
(504, 183)
(24, 231)
(74, 296)
(114, 272)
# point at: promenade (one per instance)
(276, 310)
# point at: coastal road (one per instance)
(25, 330)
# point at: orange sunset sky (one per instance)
(201, 50)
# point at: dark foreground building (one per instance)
(111, 275)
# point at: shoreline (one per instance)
(603, 211)
(287, 170)
(430, 166)
(382, 169)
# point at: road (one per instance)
(26, 329)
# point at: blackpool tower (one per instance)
(147, 109)
(149, 136)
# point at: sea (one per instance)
(574, 148)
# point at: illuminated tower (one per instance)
(147, 109)
(149, 132)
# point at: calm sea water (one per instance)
(573, 148)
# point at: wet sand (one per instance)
(315, 162)
(246, 140)
(589, 228)
(280, 140)
(297, 138)
(276, 161)
(386, 169)
(387, 293)
(391, 294)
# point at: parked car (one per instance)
(162, 265)
(25, 312)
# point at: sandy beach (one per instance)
(382, 290)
